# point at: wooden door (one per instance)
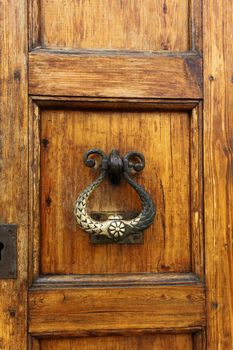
(125, 75)
(113, 74)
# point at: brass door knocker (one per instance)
(115, 228)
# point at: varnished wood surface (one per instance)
(92, 309)
(218, 126)
(113, 24)
(114, 104)
(164, 138)
(59, 304)
(14, 166)
(147, 342)
(197, 200)
(115, 75)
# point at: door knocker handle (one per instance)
(115, 228)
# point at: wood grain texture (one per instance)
(147, 342)
(199, 340)
(114, 75)
(92, 67)
(218, 126)
(119, 280)
(92, 309)
(114, 104)
(196, 25)
(34, 343)
(14, 166)
(164, 138)
(34, 185)
(197, 200)
(34, 23)
(112, 24)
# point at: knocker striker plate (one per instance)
(116, 227)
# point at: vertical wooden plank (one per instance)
(34, 23)
(34, 343)
(13, 165)
(196, 178)
(196, 36)
(218, 139)
(199, 340)
(34, 190)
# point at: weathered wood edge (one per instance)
(197, 191)
(34, 190)
(131, 104)
(195, 331)
(116, 280)
(196, 28)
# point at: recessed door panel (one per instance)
(113, 24)
(146, 342)
(164, 139)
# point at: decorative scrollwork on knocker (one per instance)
(115, 228)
